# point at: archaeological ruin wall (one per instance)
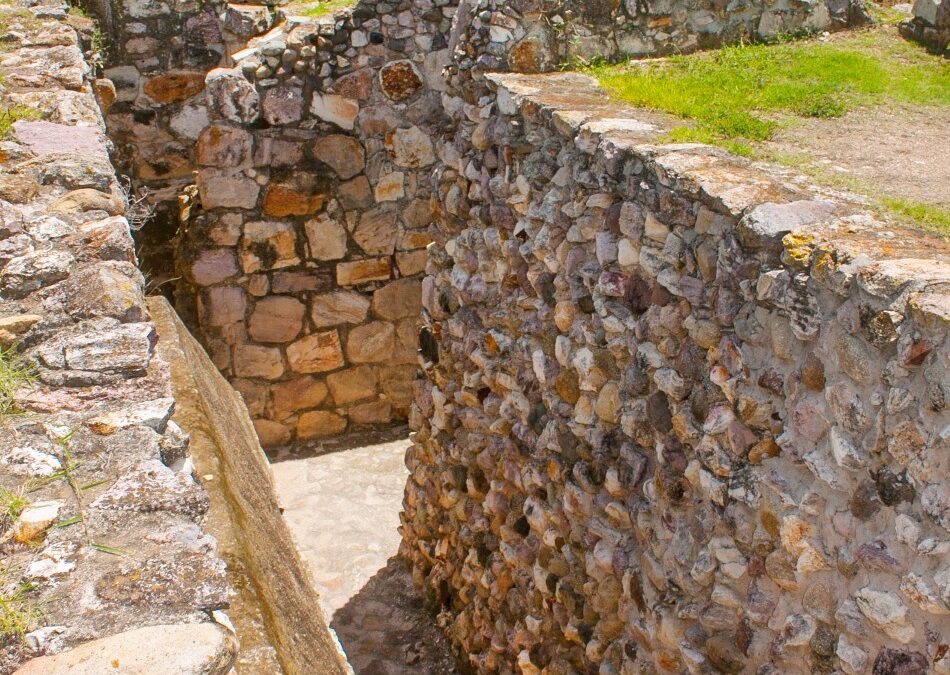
(679, 412)
(291, 172)
(304, 242)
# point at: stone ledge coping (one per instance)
(777, 209)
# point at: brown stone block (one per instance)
(316, 353)
(254, 393)
(223, 146)
(339, 307)
(255, 361)
(356, 194)
(398, 299)
(373, 342)
(376, 232)
(319, 424)
(222, 305)
(363, 271)
(271, 433)
(268, 245)
(174, 87)
(358, 85)
(374, 412)
(396, 383)
(298, 282)
(352, 384)
(276, 319)
(298, 394)
(343, 154)
(412, 263)
(281, 201)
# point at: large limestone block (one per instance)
(336, 109)
(343, 154)
(399, 299)
(276, 319)
(339, 307)
(178, 649)
(352, 384)
(373, 342)
(316, 353)
(319, 424)
(376, 233)
(327, 238)
(363, 271)
(268, 245)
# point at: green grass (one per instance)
(12, 504)
(929, 216)
(11, 114)
(325, 8)
(14, 373)
(744, 93)
(18, 613)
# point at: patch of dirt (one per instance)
(895, 151)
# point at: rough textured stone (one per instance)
(276, 319)
(373, 342)
(189, 649)
(343, 154)
(316, 353)
(337, 308)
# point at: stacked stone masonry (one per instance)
(680, 413)
(105, 557)
(304, 241)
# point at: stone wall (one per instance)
(680, 413)
(157, 54)
(106, 558)
(305, 238)
(930, 25)
(537, 36)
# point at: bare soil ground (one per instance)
(897, 151)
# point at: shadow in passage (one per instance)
(359, 437)
(386, 630)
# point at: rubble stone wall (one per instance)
(305, 239)
(680, 412)
(538, 35)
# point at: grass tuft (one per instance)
(326, 8)
(18, 613)
(930, 216)
(11, 114)
(14, 373)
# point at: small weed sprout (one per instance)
(14, 374)
(18, 613)
(139, 211)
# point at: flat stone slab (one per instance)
(181, 649)
(45, 138)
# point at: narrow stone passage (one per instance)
(343, 510)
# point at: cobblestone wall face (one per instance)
(305, 237)
(679, 413)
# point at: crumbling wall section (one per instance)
(680, 412)
(306, 234)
